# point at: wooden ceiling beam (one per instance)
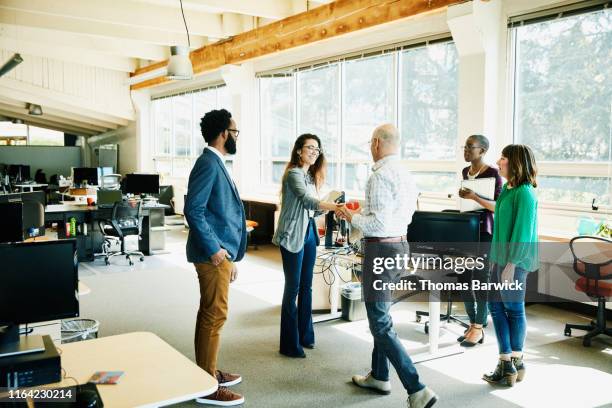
(328, 21)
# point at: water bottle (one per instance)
(73, 227)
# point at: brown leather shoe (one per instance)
(227, 379)
(223, 397)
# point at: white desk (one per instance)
(29, 186)
(155, 374)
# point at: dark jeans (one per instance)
(387, 347)
(508, 313)
(296, 322)
(476, 303)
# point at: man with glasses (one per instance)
(217, 239)
(390, 201)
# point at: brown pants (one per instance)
(214, 290)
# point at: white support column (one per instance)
(242, 85)
(144, 130)
(478, 29)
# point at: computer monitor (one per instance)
(142, 184)
(11, 221)
(25, 172)
(444, 233)
(19, 171)
(39, 283)
(82, 174)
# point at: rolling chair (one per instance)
(125, 220)
(593, 269)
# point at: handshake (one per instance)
(346, 211)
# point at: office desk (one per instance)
(152, 235)
(261, 208)
(29, 186)
(155, 374)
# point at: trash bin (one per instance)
(352, 307)
(79, 329)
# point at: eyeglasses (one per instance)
(471, 147)
(314, 149)
(234, 130)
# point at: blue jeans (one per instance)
(387, 347)
(296, 322)
(508, 313)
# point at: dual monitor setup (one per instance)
(134, 183)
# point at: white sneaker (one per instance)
(381, 387)
(425, 398)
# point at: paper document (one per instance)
(484, 187)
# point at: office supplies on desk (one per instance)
(106, 377)
(484, 187)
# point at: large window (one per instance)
(176, 123)
(563, 104)
(343, 101)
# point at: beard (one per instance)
(230, 145)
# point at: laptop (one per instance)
(108, 198)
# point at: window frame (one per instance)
(554, 168)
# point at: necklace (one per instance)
(478, 172)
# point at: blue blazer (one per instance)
(214, 211)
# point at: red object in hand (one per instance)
(90, 201)
(352, 205)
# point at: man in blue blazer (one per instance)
(217, 239)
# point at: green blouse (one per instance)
(515, 228)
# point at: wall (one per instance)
(52, 159)
(125, 137)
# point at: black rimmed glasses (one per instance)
(236, 132)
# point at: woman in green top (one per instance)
(513, 255)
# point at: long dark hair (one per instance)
(317, 170)
(521, 165)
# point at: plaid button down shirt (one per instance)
(390, 200)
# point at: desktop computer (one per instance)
(85, 175)
(142, 184)
(33, 291)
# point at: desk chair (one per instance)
(126, 220)
(593, 269)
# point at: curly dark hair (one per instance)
(213, 123)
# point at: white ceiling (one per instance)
(120, 36)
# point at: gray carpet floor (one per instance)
(161, 296)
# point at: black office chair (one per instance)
(166, 196)
(593, 269)
(126, 220)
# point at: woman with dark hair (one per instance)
(476, 146)
(514, 253)
(298, 238)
